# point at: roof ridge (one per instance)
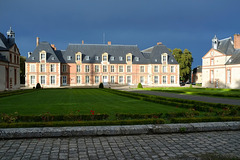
(101, 44)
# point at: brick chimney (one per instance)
(53, 46)
(109, 43)
(158, 43)
(237, 41)
(37, 41)
(82, 41)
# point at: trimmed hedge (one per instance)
(80, 123)
(204, 119)
(123, 116)
(16, 92)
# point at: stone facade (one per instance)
(221, 64)
(90, 64)
(9, 62)
(197, 75)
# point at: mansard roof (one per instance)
(226, 46)
(91, 51)
(43, 46)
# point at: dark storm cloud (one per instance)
(181, 24)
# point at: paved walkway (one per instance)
(163, 146)
(190, 97)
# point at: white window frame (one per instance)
(112, 68)
(105, 68)
(87, 79)
(156, 69)
(142, 79)
(64, 80)
(42, 56)
(78, 79)
(87, 68)
(69, 58)
(96, 79)
(172, 69)
(96, 68)
(142, 69)
(164, 79)
(156, 79)
(164, 69)
(78, 57)
(228, 76)
(129, 69)
(42, 68)
(112, 78)
(105, 58)
(32, 79)
(78, 68)
(42, 79)
(52, 67)
(129, 58)
(172, 79)
(164, 58)
(120, 79)
(64, 68)
(129, 79)
(52, 80)
(32, 67)
(211, 76)
(121, 69)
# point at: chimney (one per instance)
(29, 54)
(237, 41)
(53, 46)
(109, 43)
(82, 41)
(37, 41)
(158, 43)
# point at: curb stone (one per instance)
(13, 133)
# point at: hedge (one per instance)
(123, 116)
(80, 123)
(204, 119)
(16, 92)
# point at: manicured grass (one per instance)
(64, 101)
(216, 92)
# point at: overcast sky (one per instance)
(180, 24)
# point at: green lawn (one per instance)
(216, 92)
(64, 101)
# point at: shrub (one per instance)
(139, 85)
(9, 118)
(204, 119)
(38, 86)
(101, 85)
(123, 116)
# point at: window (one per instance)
(164, 79)
(104, 68)
(104, 58)
(137, 58)
(120, 68)
(228, 76)
(211, 76)
(52, 68)
(212, 62)
(120, 79)
(155, 60)
(96, 68)
(52, 80)
(33, 58)
(87, 58)
(32, 68)
(141, 68)
(155, 68)
(172, 69)
(142, 79)
(172, 79)
(96, 58)
(112, 79)
(112, 58)
(32, 80)
(42, 68)
(120, 58)
(96, 79)
(164, 58)
(78, 79)
(87, 79)
(42, 79)
(53, 58)
(64, 80)
(164, 69)
(112, 68)
(42, 56)
(155, 79)
(15, 76)
(129, 79)
(78, 68)
(64, 68)
(87, 68)
(69, 57)
(128, 58)
(78, 57)
(129, 69)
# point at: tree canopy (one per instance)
(22, 69)
(185, 61)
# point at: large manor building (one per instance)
(91, 64)
(9, 62)
(221, 64)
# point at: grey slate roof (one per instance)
(5, 44)
(92, 51)
(50, 57)
(226, 46)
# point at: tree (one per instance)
(185, 61)
(22, 69)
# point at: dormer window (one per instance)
(53, 58)
(78, 57)
(69, 57)
(112, 58)
(164, 58)
(42, 56)
(120, 58)
(87, 58)
(104, 58)
(33, 58)
(155, 60)
(128, 58)
(137, 58)
(96, 58)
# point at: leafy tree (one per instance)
(22, 69)
(185, 61)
